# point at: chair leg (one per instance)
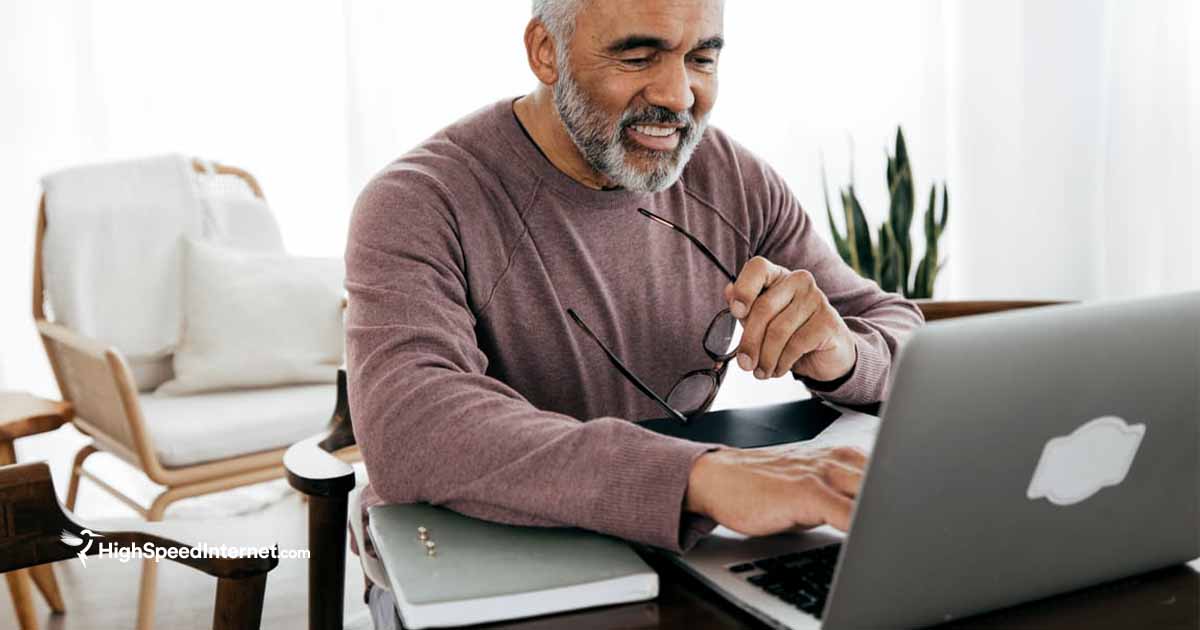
(146, 592)
(18, 585)
(76, 467)
(239, 603)
(43, 578)
(149, 584)
(327, 561)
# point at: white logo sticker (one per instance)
(1096, 455)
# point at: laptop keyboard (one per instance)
(801, 579)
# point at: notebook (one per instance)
(484, 572)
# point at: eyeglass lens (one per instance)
(723, 336)
(691, 393)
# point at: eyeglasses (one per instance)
(693, 392)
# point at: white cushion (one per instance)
(192, 429)
(257, 319)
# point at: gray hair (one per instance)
(559, 18)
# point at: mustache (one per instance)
(658, 115)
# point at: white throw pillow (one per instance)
(257, 320)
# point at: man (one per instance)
(472, 387)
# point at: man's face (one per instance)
(638, 85)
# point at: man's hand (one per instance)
(788, 324)
(781, 488)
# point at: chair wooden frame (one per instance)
(96, 379)
(33, 539)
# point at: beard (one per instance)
(606, 147)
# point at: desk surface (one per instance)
(1169, 598)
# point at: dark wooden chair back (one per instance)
(35, 529)
(31, 519)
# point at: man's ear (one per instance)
(539, 48)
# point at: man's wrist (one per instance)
(829, 386)
(694, 499)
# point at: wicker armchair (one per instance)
(109, 408)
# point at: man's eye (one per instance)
(704, 61)
(637, 61)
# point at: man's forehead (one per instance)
(669, 24)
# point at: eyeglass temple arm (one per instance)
(637, 382)
(695, 241)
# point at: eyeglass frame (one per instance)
(716, 373)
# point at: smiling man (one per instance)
(491, 267)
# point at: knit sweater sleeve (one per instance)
(880, 321)
(434, 427)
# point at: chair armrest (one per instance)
(312, 467)
(95, 379)
(71, 339)
(316, 472)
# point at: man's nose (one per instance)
(671, 88)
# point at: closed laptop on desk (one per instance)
(483, 572)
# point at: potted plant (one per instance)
(887, 259)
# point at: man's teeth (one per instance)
(659, 132)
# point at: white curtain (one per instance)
(1066, 129)
(1073, 129)
(1148, 194)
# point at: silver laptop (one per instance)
(1020, 455)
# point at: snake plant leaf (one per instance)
(891, 169)
(888, 260)
(847, 214)
(839, 241)
(928, 268)
(860, 240)
(901, 147)
(945, 209)
(900, 219)
(921, 284)
(930, 225)
(902, 202)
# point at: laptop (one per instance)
(1019, 455)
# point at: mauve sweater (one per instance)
(469, 385)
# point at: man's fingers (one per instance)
(758, 274)
(781, 331)
(849, 455)
(763, 311)
(761, 328)
(843, 478)
(808, 337)
(830, 506)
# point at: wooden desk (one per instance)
(22, 415)
(1169, 598)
